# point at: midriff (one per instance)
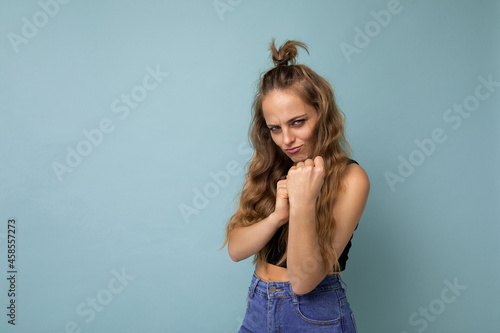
(270, 272)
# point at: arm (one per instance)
(246, 241)
(305, 265)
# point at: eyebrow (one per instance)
(290, 120)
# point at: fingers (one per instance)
(309, 163)
(319, 165)
(281, 188)
(281, 185)
(317, 162)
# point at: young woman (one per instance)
(300, 205)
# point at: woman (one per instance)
(300, 205)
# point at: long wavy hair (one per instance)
(269, 163)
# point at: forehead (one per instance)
(282, 105)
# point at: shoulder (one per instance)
(355, 188)
(349, 205)
(356, 177)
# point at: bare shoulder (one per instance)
(350, 204)
(356, 178)
(356, 187)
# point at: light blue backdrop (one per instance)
(123, 143)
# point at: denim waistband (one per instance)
(284, 288)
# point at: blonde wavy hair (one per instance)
(269, 163)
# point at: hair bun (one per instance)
(286, 53)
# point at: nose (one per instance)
(288, 137)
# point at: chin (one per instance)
(295, 159)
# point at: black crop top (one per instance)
(276, 253)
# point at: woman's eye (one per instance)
(274, 128)
(298, 122)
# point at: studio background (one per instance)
(123, 146)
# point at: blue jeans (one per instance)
(274, 307)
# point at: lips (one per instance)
(293, 150)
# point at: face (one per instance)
(291, 123)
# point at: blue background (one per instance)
(120, 209)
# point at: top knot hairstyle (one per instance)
(269, 163)
(286, 53)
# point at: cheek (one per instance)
(307, 135)
(275, 139)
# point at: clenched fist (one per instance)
(282, 208)
(304, 181)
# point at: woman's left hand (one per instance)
(304, 181)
